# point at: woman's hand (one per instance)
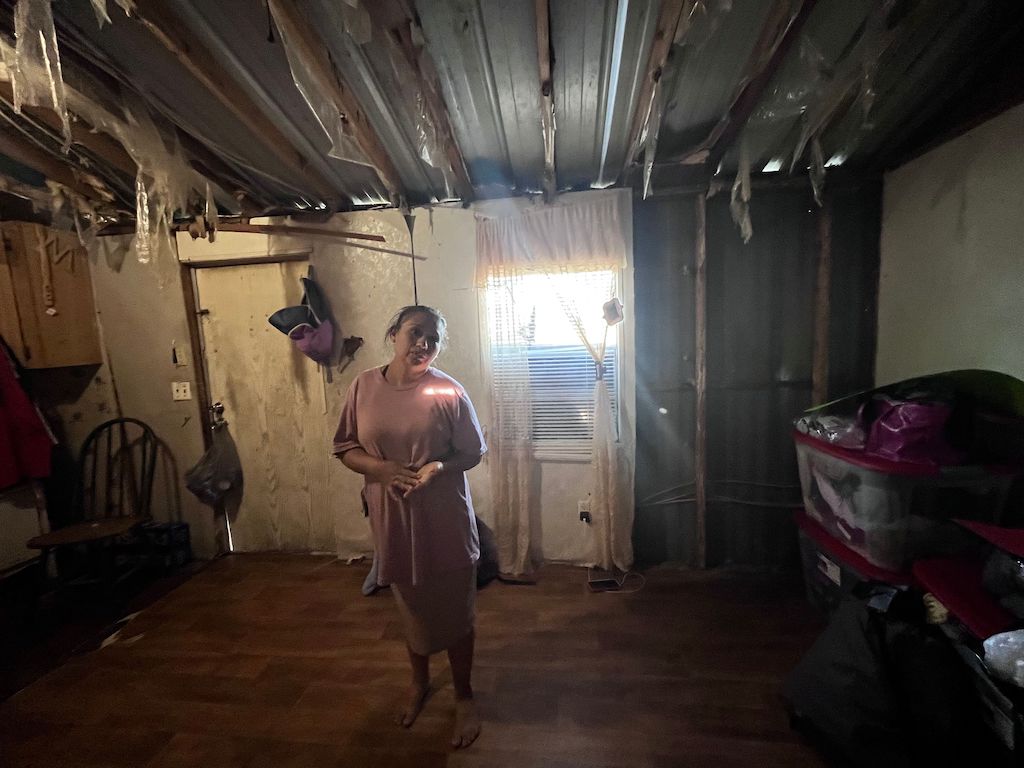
(395, 476)
(426, 473)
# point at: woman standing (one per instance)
(411, 431)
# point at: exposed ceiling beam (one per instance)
(310, 47)
(780, 32)
(547, 101)
(22, 150)
(251, 200)
(99, 144)
(166, 26)
(664, 35)
(399, 19)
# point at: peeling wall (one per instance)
(141, 316)
(952, 275)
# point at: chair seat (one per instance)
(83, 532)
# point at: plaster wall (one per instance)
(952, 257)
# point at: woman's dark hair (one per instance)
(402, 315)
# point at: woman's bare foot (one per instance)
(467, 723)
(413, 706)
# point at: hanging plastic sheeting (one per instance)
(162, 182)
(651, 128)
(68, 210)
(412, 85)
(700, 21)
(100, 8)
(331, 119)
(817, 171)
(739, 205)
(163, 178)
(356, 22)
(36, 77)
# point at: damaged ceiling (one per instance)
(118, 111)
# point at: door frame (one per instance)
(193, 312)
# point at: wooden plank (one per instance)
(310, 48)
(701, 379)
(547, 101)
(164, 23)
(822, 313)
(16, 147)
(279, 660)
(113, 230)
(664, 34)
(768, 54)
(398, 19)
(244, 261)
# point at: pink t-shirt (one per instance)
(432, 530)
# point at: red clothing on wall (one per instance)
(25, 442)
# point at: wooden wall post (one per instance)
(700, 379)
(822, 315)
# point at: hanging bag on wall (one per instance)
(309, 324)
(219, 471)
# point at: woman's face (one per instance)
(417, 341)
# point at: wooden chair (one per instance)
(112, 495)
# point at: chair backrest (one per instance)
(115, 471)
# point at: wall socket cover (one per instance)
(181, 390)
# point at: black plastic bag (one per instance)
(218, 472)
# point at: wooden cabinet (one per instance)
(47, 315)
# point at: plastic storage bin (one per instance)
(894, 512)
(832, 571)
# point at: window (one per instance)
(533, 342)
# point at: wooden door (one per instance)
(296, 497)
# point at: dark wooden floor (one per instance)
(278, 661)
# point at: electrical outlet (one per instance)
(181, 390)
(583, 507)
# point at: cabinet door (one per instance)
(48, 273)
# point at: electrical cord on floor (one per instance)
(625, 576)
(619, 589)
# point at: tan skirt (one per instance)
(439, 613)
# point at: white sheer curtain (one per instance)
(564, 237)
(509, 445)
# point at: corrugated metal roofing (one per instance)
(486, 58)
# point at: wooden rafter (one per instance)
(310, 48)
(547, 102)
(100, 144)
(700, 378)
(28, 154)
(398, 20)
(164, 23)
(664, 34)
(822, 292)
(780, 32)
